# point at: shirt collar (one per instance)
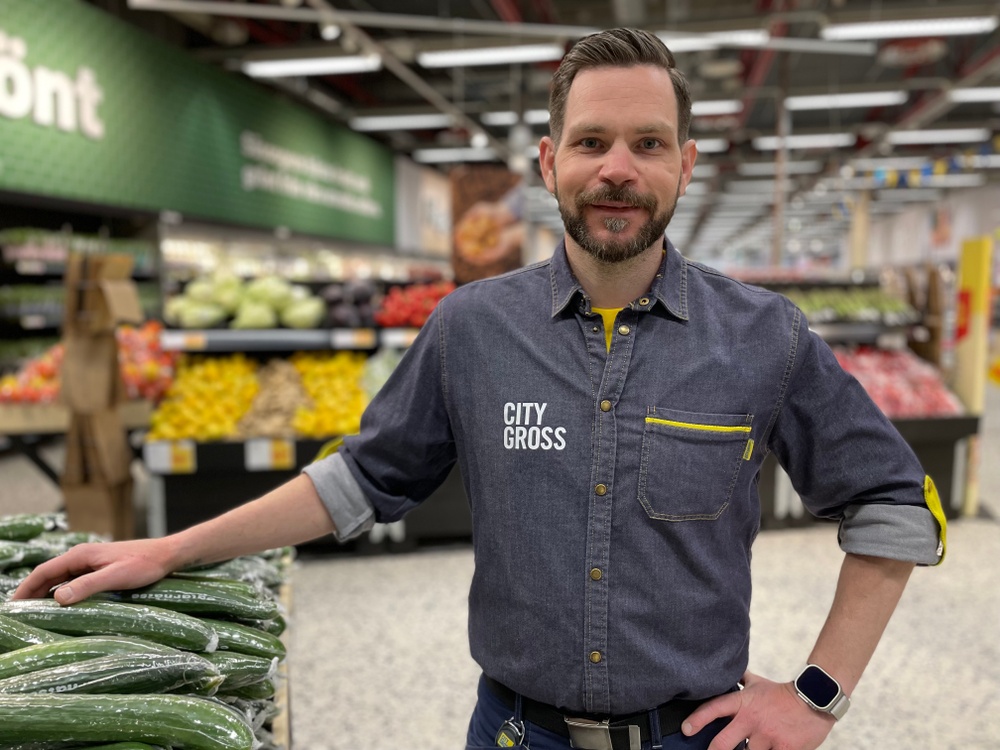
(669, 286)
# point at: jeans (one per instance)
(490, 714)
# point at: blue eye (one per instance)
(589, 143)
(650, 143)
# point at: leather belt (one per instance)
(598, 732)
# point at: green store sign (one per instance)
(95, 111)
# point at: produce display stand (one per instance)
(198, 481)
(940, 444)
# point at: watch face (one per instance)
(817, 686)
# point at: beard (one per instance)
(616, 250)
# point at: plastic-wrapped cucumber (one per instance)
(24, 526)
(71, 650)
(109, 618)
(274, 626)
(60, 745)
(119, 673)
(256, 691)
(249, 568)
(226, 598)
(259, 712)
(32, 553)
(243, 640)
(177, 721)
(242, 669)
(10, 554)
(15, 634)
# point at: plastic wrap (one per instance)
(109, 618)
(175, 721)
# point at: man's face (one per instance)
(618, 169)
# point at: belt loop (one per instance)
(655, 735)
(517, 707)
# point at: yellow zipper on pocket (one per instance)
(704, 427)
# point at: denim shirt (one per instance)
(614, 494)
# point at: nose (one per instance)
(618, 165)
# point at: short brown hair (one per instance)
(617, 48)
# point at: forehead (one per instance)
(640, 91)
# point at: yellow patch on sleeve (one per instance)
(934, 505)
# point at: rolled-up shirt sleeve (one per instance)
(405, 448)
(848, 462)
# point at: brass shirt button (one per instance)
(605, 405)
(596, 574)
(601, 489)
(596, 329)
(624, 330)
(595, 657)
(644, 301)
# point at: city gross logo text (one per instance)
(524, 429)
(51, 97)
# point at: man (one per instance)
(610, 410)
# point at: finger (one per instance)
(732, 736)
(706, 713)
(111, 578)
(51, 573)
(749, 678)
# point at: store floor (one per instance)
(379, 654)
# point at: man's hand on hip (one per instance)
(770, 715)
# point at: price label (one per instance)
(353, 338)
(33, 322)
(269, 454)
(399, 338)
(182, 341)
(30, 267)
(171, 457)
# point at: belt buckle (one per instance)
(586, 734)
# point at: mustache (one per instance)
(609, 193)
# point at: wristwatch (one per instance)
(821, 692)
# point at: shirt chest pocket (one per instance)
(690, 462)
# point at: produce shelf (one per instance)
(285, 340)
(855, 333)
(51, 419)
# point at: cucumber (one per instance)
(15, 634)
(274, 626)
(32, 553)
(256, 691)
(117, 674)
(242, 669)
(243, 640)
(226, 598)
(10, 555)
(250, 568)
(24, 526)
(177, 721)
(108, 618)
(71, 650)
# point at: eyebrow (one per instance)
(656, 127)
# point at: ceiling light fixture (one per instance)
(899, 162)
(506, 119)
(450, 155)
(847, 101)
(312, 66)
(769, 168)
(816, 140)
(372, 123)
(678, 42)
(523, 53)
(980, 94)
(717, 107)
(712, 145)
(924, 27)
(946, 135)
(329, 31)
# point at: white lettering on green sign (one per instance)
(51, 97)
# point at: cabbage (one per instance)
(270, 290)
(201, 314)
(304, 313)
(228, 296)
(200, 290)
(254, 315)
(172, 310)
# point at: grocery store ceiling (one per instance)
(755, 66)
